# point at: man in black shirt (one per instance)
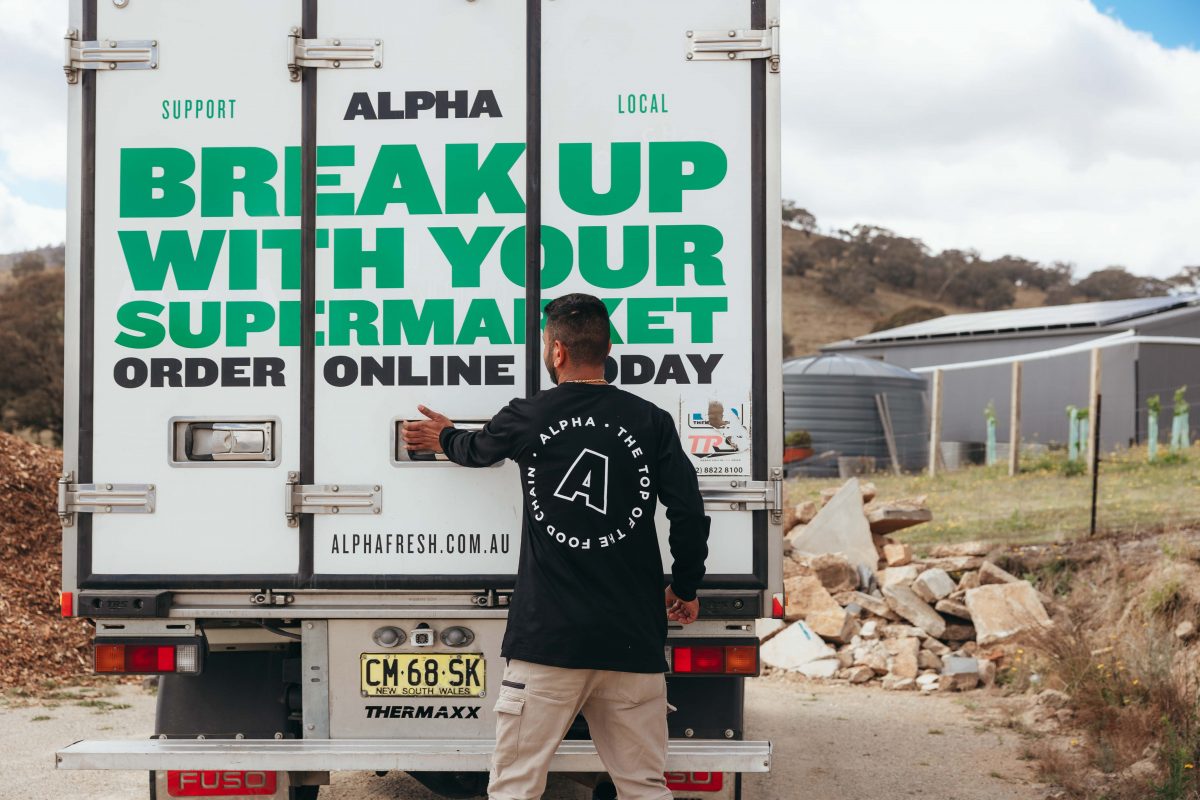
(586, 626)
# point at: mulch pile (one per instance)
(38, 648)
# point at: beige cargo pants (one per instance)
(626, 713)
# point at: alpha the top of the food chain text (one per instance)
(169, 182)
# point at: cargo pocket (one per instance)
(510, 709)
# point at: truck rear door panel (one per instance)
(165, 357)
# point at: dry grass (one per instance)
(1134, 688)
(1043, 504)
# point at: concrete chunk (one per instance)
(799, 514)
(928, 660)
(768, 628)
(822, 668)
(1000, 611)
(840, 527)
(873, 655)
(897, 554)
(866, 489)
(806, 596)
(953, 608)
(859, 674)
(835, 572)
(906, 655)
(959, 674)
(892, 516)
(912, 608)
(873, 605)
(933, 584)
(794, 647)
(961, 549)
(955, 565)
(989, 573)
(897, 576)
(836, 626)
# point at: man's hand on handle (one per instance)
(684, 612)
(426, 434)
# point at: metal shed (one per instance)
(834, 398)
(1130, 373)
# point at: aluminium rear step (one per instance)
(458, 755)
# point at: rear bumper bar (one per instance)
(433, 755)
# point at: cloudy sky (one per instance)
(1053, 129)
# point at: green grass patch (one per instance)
(1046, 502)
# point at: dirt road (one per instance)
(831, 743)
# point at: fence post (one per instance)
(935, 423)
(1093, 442)
(1014, 424)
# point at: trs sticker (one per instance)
(717, 436)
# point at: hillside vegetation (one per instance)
(845, 283)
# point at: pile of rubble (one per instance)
(39, 646)
(860, 607)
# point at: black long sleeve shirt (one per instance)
(594, 462)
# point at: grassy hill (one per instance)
(842, 284)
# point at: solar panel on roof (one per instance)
(1080, 315)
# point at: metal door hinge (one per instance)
(332, 53)
(735, 44)
(742, 495)
(102, 498)
(329, 498)
(107, 54)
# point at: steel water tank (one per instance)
(833, 397)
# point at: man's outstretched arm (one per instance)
(498, 440)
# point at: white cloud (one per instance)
(24, 225)
(1044, 129)
(33, 133)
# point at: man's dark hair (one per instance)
(580, 321)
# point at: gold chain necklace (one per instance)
(599, 381)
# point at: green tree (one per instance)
(31, 352)
(1117, 283)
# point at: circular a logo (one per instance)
(588, 484)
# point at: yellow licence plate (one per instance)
(422, 674)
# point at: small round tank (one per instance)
(833, 397)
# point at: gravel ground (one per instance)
(830, 742)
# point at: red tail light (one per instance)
(715, 660)
(66, 602)
(147, 658)
(778, 604)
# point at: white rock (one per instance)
(767, 628)
(1001, 610)
(906, 603)
(933, 584)
(822, 668)
(841, 527)
(794, 647)
(897, 576)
